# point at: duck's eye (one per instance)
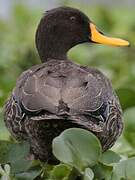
(72, 18)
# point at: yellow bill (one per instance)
(98, 37)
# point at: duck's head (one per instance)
(62, 28)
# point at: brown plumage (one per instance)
(58, 94)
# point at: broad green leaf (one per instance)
(28, 175)
(18, 151)
(5, 147)
(20, 165)
(88, 174)
(127, 97)
(4, 134)
(109, 158)
(60, 172)
(15, 154)
(18, 157)
(129, 131)
(102, 171)
(124, 169)
(122, 147)
(77, 147)
(130, 168)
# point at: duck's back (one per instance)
(63, 94)
(49, 85)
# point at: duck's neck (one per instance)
(49, 50)
(50, 45)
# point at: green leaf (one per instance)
(109, 158)
(77, 147)
(28, 175)
(60, 172)
(102, 171)
(127, 97)
(124, 169)
(15, 154)
(129, 131)
(88, 174)
(123, 147)
(5, 147)
(18, 151)
(20, 165)
(4, 134)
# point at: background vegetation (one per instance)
(18, 53)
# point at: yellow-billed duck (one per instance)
(59, 94)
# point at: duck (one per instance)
(58, 94)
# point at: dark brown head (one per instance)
(64, 27)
